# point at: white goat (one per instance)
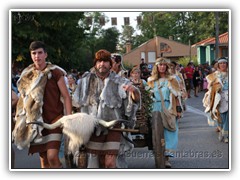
(78, 127)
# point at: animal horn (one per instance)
(110, 123)
(47, 126)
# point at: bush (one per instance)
(184, 61)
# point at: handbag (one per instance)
(168, 119)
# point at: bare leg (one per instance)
(53, 159)
(110, 161)
(197, 90)
(50, 159)
(43, 160)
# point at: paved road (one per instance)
(198, 146)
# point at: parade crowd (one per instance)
(45, 92)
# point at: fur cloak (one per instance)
(212, 97)
(105, 99)
(175, 90)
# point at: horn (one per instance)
(38, 123)
(48, 126)
(110, 123)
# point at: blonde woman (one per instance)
(164, 86)
(135, 77)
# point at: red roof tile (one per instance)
(223, 39)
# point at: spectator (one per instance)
(189, 81)
(144, 70)
(117, 65)
(196, 80)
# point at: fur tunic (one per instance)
(31, 86)
(105, 99)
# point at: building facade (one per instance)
(206, 49)
(157, 47)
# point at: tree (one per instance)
(108, 39)
(183, 26)
(59, 30)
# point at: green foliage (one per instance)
(108, 39)
(127, 65)
(185, 26)
(59, 30)
(185, 60)
(147, 97)
(72, 41)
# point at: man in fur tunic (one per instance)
(41, 85)
(106, 95)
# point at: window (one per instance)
(151, 57)
(143, 55)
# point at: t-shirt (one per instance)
(189, 72)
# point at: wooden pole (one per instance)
(217, 36)
(158, 140)
(126, 130)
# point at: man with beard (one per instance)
(106, 95)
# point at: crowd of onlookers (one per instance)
(195, 76)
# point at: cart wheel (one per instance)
(158, 140)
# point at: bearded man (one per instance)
(106, 95)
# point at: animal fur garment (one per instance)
(212, 97)
(31, 86)
(175, 93)
(105, 99)
(78, 127)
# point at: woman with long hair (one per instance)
(167, 95)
